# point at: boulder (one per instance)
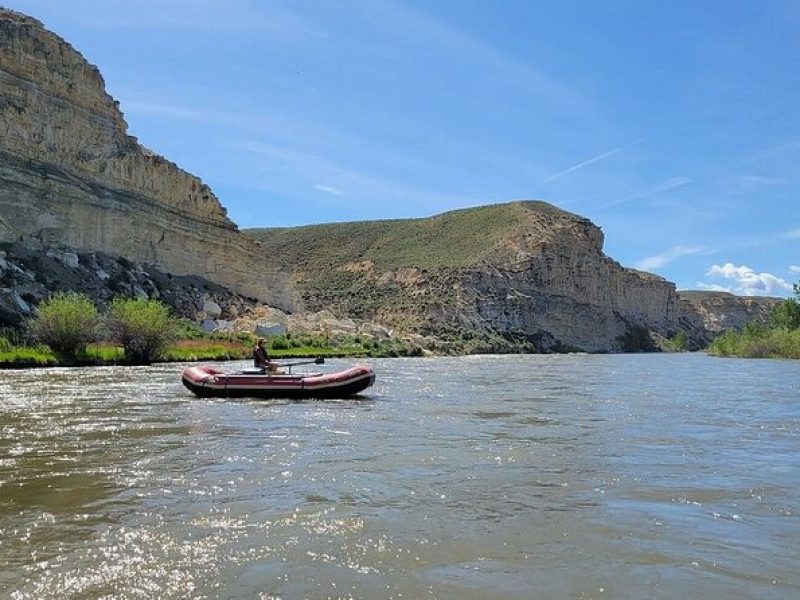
(70, 259)
(212, 309)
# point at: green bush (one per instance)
(142, 327)
(280, 342)
(770, 343)
(680, 341)
(786, 315)
(66, 322)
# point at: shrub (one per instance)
(279, 342)
(680, 341)
(66, 322)
(786, 315)
(142, 327)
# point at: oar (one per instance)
(317, 361)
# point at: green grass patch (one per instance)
(26, 356)
(210, 348)
(453, 239)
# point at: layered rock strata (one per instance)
(524, 276)
(71, 176)
(705, 315)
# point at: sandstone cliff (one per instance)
(520, 276)
(705, 315)
(71, 176)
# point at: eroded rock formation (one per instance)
(71, 176)
(524, 276)
(705, 315)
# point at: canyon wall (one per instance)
(522, 276)
(71, 176)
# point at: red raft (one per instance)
(206, 381)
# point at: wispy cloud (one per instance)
(360, 185)
(592, 160)
(669, 184)
(750, 183)
(794, 269)
(181, 112)
(659, 260)
(400, 20)
(774, 151)
(794, 234)
(239, 15)
(745, 281)
(329, 189)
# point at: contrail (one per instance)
(592, 160)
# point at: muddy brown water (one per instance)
(573, 476)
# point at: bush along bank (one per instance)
(69, 331)
(777, 337)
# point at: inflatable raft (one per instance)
(206, 381)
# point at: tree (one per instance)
(786, 315)
(67, 322)
(143, 327)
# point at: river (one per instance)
(561, 476)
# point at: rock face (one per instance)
(71, 176)
(29, 276)
(705, 315)
(523, 276)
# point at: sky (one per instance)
(674, 126)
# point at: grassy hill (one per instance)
(412, 274)
(455, 239)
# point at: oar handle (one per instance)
(317, 361)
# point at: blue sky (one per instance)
(675, 126)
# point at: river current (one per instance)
(563, 476)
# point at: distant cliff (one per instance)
(71, 176)
(523, 276)
(705, 315)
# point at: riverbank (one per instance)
(755, 342)
(207, 349)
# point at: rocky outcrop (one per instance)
(71, 176)
(29, 276)
(705, 315)
(523, 276)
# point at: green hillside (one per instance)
(455, 239)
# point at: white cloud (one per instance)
(750, 183)
(328, 189)
(669, 184)
(594, 159)
(403, 24)
(746, 282)
(659, 260)
(794, 269)
(713, 287)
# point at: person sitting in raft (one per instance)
(261, 358)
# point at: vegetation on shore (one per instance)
(778, 337)
(460, 238)
(68, 330)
